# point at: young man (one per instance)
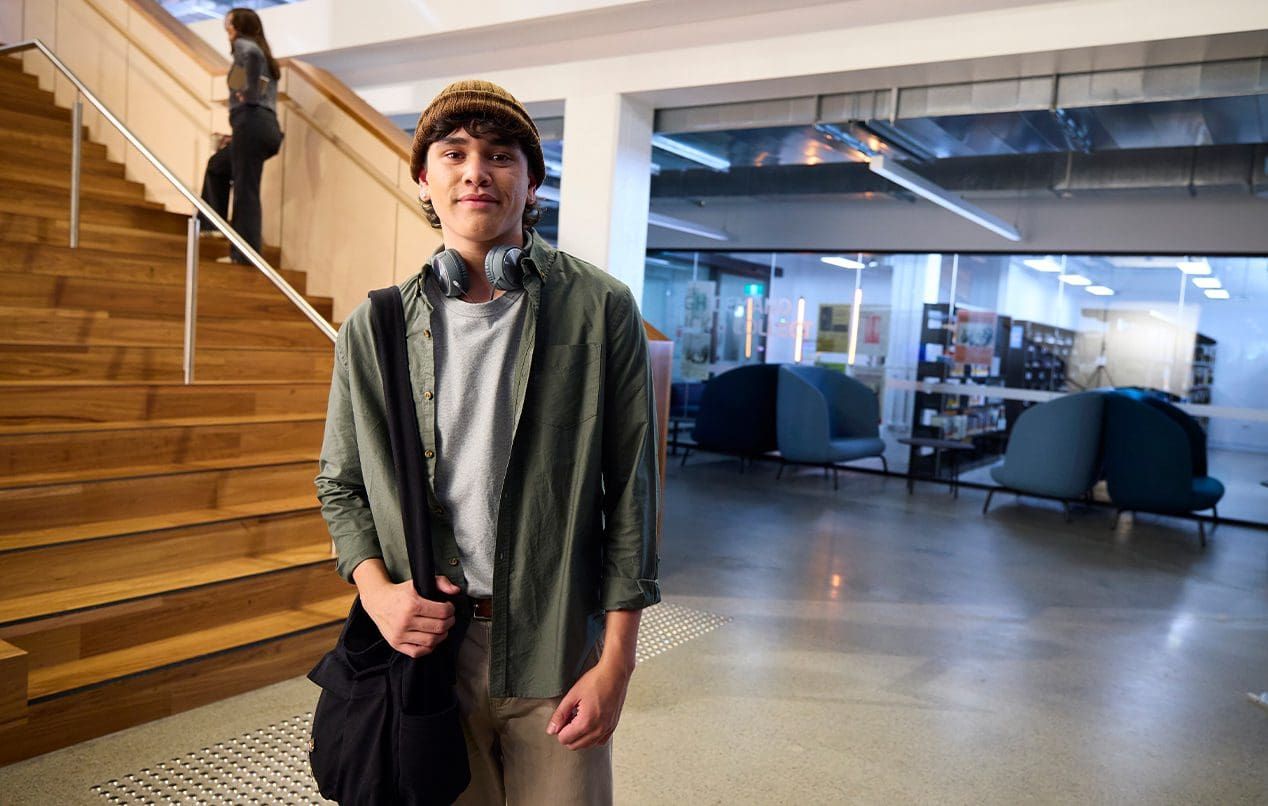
(536, 410)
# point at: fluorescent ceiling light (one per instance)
(689, 227)
(690, 153)
(942, 197)
(1216, 293)
(1194, 267)
(843, 262)
(1074, 279)
(1043, 264)
(1206, 282)
(1100, 290)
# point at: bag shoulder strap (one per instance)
(387, 316)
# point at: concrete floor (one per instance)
(888, 648)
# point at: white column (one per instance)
(606, 184)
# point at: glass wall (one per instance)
(957, 346)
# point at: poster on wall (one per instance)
(697, 329)
(834, 329)
(974, 336)
(873, 340)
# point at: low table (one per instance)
(953, 446)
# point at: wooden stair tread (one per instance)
(93, 160)
(55, 186)
(66, 363)
(71, 599)
(61, 260)
(141, 471)
(137, 214)
(102, 328)
(62, 678)
(147, 425)
(55, 535)
(43, 405)
(251, 300)
(53, 192)
(209, 382)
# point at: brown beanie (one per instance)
(475, 99)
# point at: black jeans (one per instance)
(256, 137)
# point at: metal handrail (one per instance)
(191, 257)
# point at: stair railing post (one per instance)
(191, 296)
(76, 163)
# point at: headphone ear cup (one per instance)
(451, 271)
(502, 267)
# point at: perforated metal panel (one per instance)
(270, 765)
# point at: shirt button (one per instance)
(427, 334)
(427, 395)
(429, 453)
(438, 509)
(453, 560)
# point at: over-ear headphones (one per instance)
(503, 265)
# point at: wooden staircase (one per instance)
(160, 544)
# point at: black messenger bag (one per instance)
(386, 729)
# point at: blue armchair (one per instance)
(1054, 450)
(1155, 459)
(824, 418)
(736, 414)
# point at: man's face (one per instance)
(478, 187)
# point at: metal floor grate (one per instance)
(270, 765)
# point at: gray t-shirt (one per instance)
(475, 347)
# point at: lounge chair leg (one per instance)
(834, 478)
(1202, 533)
(780, 474)
(1066, 504)
(1118, 514)
(1215, 523)
(884, 464)
(685, 453)
(989, 495)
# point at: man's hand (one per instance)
(588, 714)
(412, 625)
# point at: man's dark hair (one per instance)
(488, 126)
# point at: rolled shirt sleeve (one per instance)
(631, 482)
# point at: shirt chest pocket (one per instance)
(563, 390)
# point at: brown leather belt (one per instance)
(482, 609)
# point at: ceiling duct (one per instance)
(1183, 170)
(725, 117)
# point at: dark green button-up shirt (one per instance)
(576, 527)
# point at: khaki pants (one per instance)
(512, 759)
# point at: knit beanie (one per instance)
(475, 99)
